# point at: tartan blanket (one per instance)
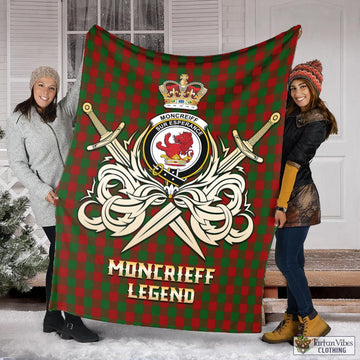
(166, 204)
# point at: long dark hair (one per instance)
(48, 114)
(315, 102)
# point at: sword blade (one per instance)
(118, 152)
(230, 161)
(181, 229)
(161, 219)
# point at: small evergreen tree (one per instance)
(21, 257)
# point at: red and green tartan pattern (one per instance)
(121, 81)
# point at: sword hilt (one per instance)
(88, 110)
(246, 146)
(274, 118)
(106, 137)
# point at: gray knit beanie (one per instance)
(44, 71)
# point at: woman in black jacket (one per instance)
(308, 124)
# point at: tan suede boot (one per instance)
(314, 327)
(285, 331)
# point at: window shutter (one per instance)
(34, 40)
(195, 27)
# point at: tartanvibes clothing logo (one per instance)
(329, 345)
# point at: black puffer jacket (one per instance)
(303, 134)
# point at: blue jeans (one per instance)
(289, 257)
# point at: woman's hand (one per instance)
(51, 197)
(300, 33)
(280, 218)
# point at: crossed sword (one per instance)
(170, 214)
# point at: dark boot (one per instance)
(75, 329)
(53, 321)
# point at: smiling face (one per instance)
(44, 92)
(300, 93)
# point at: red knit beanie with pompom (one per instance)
(311, 71)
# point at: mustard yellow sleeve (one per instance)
(287, 183)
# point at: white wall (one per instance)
(3, 73)
(233, 28)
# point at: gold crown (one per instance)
(176, 160)
(182, 95)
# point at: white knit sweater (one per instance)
(37, 151)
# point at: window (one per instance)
(138, 21)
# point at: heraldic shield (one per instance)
(166, 204)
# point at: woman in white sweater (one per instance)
(39, 132)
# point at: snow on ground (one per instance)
(21, 338)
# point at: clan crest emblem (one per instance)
(177, 146)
